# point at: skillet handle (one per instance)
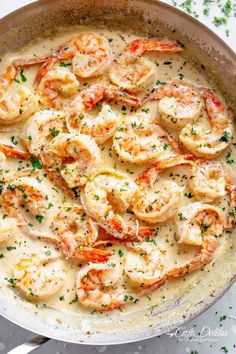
(28, 347)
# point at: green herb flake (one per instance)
(120, 253)
(39, 218)
(165, 146)
(54, 132)
(73, 300)
(225, 137)
(181, 217)
(36, 165)
(11, 281)
(64, 65)
(227, 8)
(218, 21)
(22, 76)
(11, 248)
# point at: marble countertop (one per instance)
(214, 332)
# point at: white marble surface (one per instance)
(214, 332)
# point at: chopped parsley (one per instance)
(218, 21)
(11, 281)
(225, 137)
(73, 300)
(120, 253)
(54, 132)
(10, 248)
(165, 146)
(39, 218)
(22, 76)
(36, 165)
(181, 217)
(64, 65)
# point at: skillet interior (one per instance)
(218, 61)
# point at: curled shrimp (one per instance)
(23, 195)
(38, 278)
(104, 125)
(179, 104)
(97, 285)
(42, 128)
(207, 180)
(17, 102)
(57, 88)
(103, 92)
(138, 139)
(76, 233)
(130, 70)
(8, 229)
(101, 127)
(75, 156)
(199, 225)
(145, 266)
(211, 143)
(72, 224)
(106, 198)
(158, 201)
(88, 53)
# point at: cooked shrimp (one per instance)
(159, 201)
(89, 54)
(97, 93)
(179, 104)
(58, 87)
(130, 70)
(41, 128)
(23, 195)
(97, 285)
(104, 125)
(137, 139)
(10, 151)
(76, 233)
(74, 226)
(200, 225)
(106, 198)
(38, 278)
(101, 127)
(207, 180)
(145, 266)
(75, 156)
(209, 144)
(17, 105)
(8, 229)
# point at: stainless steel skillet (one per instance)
(152, 18)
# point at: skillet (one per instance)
(219, 62)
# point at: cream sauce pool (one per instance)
(168, 67)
